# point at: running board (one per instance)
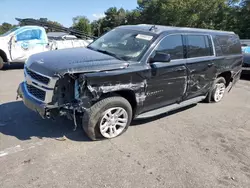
(172, 107)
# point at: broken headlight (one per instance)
(79, 84)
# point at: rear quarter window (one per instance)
(229, 44)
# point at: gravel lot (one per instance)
(206, 145)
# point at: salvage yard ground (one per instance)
(206, 145)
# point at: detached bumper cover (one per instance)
(30, 102)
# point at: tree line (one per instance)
(230, 15)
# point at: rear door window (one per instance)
(199, 46)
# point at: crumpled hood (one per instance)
(73, 60)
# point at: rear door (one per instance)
(200, 64)
(167, 82)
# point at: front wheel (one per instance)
(108, 118)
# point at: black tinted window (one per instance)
(217, 47)
(229, 44)
(172, 45)
(199, 46)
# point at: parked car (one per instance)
(246, 56)
(131, 72)
(20, 42)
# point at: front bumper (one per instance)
(30, 102)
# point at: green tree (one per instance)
(5, 27)
(232, 15)
(113, 18)
(51, 22)
(243, 16)
(133, 17)
(82, 24)
(96, 27)
(191, 13)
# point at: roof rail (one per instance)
(77, 33)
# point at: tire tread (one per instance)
(209, 98)
(90, 118)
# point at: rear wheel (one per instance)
(217, 91)
(108, 118)
(1, 63)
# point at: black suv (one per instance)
(136, 71)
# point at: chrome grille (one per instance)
(37, 77)
(38, 93)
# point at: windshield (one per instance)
(123, 44)
(8, 32)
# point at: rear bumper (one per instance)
(30, 102)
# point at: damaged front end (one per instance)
(72, 94)
(55, 96)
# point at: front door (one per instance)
(168, 80)
(18, 49)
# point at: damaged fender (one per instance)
(138, 88)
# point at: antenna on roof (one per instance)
(153, 28)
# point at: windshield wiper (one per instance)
(106, 52)
(110, 53)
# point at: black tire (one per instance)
(92, 117)
(211, 94)
(1, 63)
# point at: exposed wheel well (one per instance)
(3, 56)
(227, 75)
(127, 94)
(130, 96)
